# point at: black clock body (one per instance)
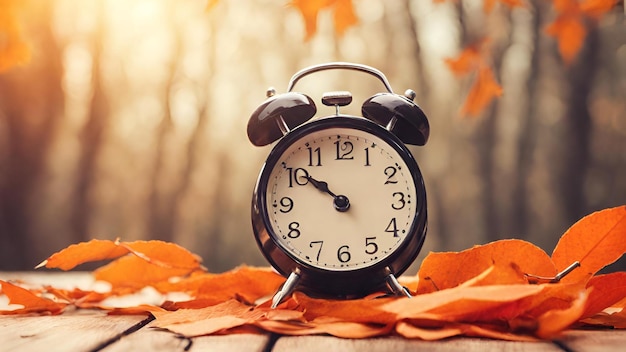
(383, 179)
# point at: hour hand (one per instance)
(321, 185)
(340, 202)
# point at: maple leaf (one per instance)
(343, 14)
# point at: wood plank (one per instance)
(79, 331)
(150, 339)
(595, 340)
(395, 344)
(231, 343)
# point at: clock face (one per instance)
(340, 198)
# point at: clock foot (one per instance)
(396, 288)
(286, 289)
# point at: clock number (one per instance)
(343, 254)
(286, 205)
(400, 202)
(314, 154)
(390, 172)
(344, 150)
(370, 246)
(298, 176)
(319, 250)
(392, 228)
(294, 230)
(367, 157)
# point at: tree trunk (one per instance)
(31, 105)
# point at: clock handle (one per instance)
(338, 65)
(287, 288)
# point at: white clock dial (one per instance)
(340, 199)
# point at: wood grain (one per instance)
(397, 344)
(595, 340)
(82, 331)
(150, 339)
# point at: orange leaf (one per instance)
(309, 9)
(605, 290)
(211, 4)
(325, 325)
(343, 14)
(554, 321)
(31, 302)
(76, 254)
(358, 310)
(460, 300)
(408, 330)
(483, 91)
(223, 316)
(450, 329)
(596, 241)
(468, 60)
(511, 259)
(142, 263)
(248, 283)
(163, 254)
(597, 8)
(130, 273)
(615, 320)
(489, 4)
(570, 34)
(13, 48)
(569, 26)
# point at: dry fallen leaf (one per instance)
(512, 259)
(32, 302)
(484, 291)
(605, 291)
(596, 241)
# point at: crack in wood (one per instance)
(126, 332)
(269, 346)
(562, 345)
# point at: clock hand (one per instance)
(321, 185)
(340, 202)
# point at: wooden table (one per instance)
(92, 330)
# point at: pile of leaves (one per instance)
(508, 289)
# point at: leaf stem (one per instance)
(557, 278)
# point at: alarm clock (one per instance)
(339, 206)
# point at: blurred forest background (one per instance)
(129, 119)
